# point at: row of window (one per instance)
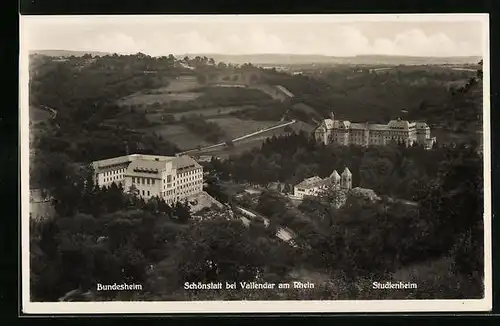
(114, 172)
(184, 174)
(189, 179)
(168, 193)
(190, 184)
(113, 178)
(141, 180)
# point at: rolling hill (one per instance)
(68, 53)
(289, 59)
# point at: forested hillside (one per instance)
(83, 91)
(361, 94)
(364, 240)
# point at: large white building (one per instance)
(344, 133)
(169, 177)
(315, 185)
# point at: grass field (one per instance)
(178, 135)
(215, 112)
(148, 99)
(235, 127)
(177, 89)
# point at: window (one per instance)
(143, 192)
(169, 178)
(148, 192)
(143, 181)
(152, 181)
(147, 180)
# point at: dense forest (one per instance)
(394, 170)
(83, 91)
(366, 240)
(420, 93)
(104, 235)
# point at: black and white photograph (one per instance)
(255, 163)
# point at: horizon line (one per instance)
(264, 53)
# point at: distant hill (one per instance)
(68, 53)
(289, 59)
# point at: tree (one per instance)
(182, 212)
(270, 203)
(219, 249)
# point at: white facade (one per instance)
(365, 134)
(315, 185)
(170, 178)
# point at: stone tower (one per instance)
(335, 178)
(346, 179)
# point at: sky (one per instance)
(339, 35)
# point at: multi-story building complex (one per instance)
(345, 133)
(171, 178)
(315, 185)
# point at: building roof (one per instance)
(346, 171)
(146, 168)
(151, 157)
(335, 175)
(346, 124)
(111, 161)
(328, 123)
(377, 126)
(185, 163)
(399, 124)
(393, 124)
(310, 182)
(421, 125)
(356, 125)
(127, 159)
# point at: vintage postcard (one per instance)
(255, 163)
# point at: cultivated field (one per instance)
(178, 89)
(179, 135)
(215, 112)
(235, 127)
